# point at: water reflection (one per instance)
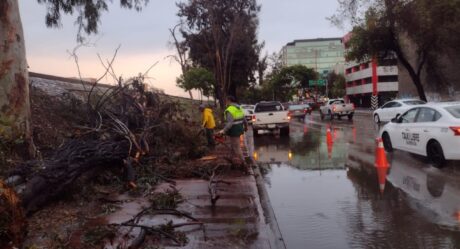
(391, 220)
(427, 190)
(307, 147)
(355, 204)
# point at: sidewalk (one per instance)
(240, 217)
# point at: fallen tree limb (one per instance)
(70, 161)
(152, 229)
(212, 187)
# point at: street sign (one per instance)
(317, 82)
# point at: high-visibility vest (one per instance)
(238, 118)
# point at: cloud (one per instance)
(144, 37)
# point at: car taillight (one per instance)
(353, 105)
(456, 130)
(289, 113)
(253, 118)
(333, 108)
(289, 117)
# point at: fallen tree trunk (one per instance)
(73, 159)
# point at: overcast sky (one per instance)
(145, 39)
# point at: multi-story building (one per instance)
(321, 54)
(369, 84)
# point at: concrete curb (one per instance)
(276, 241)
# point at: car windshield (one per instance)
(268, 107)
(338, 102)
(454, 110)
(297, 107)
(248, 107)
(414, 102)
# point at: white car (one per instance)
(248, 112)
(431, 130)
(394, 108)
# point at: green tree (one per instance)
(221, 36)
(199, 79)
(285, 83)
(379, 36)
(14, 79)
(182, 53)
(414, 32)
(336, 83)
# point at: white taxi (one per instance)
(394, 108)
(431, 130)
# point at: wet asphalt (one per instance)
(327, 193)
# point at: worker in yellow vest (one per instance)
(235, 125)
(208, 124)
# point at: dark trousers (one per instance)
(210, 138)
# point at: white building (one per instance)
(364, 80)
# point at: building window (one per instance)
(389, 78)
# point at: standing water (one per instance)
(325, 191)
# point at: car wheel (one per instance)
(435, 154)
(330, 115)
(255, 132)
(321, 115)
(339, 117)
(350, 117)
(376, 119)
(387, 142)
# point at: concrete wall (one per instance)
(59, 86)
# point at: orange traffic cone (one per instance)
(381, 164)
(380, 157)
(329, 150)
(329, 136)
(382, 176)
(457, 215)
(329, 142)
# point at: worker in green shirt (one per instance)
(235, 125)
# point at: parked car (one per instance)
(270, 115)
(394, 108)
(431, 130)
(248, 112)
(299, 111)
(337, 108)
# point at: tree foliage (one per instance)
(15, 111)
(415, 32)
(336, 83)
(199, 79)
(88, 12)
(222, 37)
(285, 82)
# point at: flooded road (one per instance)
(326, 192)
